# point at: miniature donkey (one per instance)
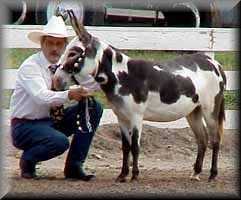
(190, 86)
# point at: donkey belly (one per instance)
(162, 112)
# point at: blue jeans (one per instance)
(40, 140)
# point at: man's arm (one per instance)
(31, 78)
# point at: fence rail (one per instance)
(141, 38)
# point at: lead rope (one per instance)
(87, 118)
(87, 114)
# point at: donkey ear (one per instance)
(79, 29)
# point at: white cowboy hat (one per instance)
(55, 28)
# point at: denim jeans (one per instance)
(40, 140)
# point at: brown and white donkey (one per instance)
(190, 86)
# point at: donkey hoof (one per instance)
(195, 177)
(212, 179)
(120, 179)
(134, 179)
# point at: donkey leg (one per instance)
(214, 118)
(213, 131)
(214, 168)
(195, 121)
(125, 162)
(135, 150)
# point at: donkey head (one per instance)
(87, 59)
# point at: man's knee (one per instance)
(61, 143)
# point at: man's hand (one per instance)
(78, 92)
(75, 55)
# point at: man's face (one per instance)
(53, 47)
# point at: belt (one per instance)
(15, 121)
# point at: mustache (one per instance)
(55, 53)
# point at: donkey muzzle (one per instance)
(60, 80)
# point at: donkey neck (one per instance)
(111, 63)
(119, 61)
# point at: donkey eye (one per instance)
(88, 51)
(76, 69)
(71, 54)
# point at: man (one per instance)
(32, 129)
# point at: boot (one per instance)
(77, 172)
(76, 157)
(27, 169)
(80, 145)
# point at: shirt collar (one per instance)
(43, 60)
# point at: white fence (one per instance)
(208, 40)
(141, 38)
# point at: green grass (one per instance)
(229, 60)
(151, 55)
(100, 96)
(232, 99)
(15, 57)
(6, 94)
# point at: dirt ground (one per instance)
(166, 160)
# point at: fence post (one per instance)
(210, 54)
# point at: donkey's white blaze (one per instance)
(162, 112)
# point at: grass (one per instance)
(6, 94)
(15, 57)
(229, 60)
(157, 56)
(232, 99)
(100, 96)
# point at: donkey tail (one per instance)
(221, 118)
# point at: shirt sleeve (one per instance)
(31, 78)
